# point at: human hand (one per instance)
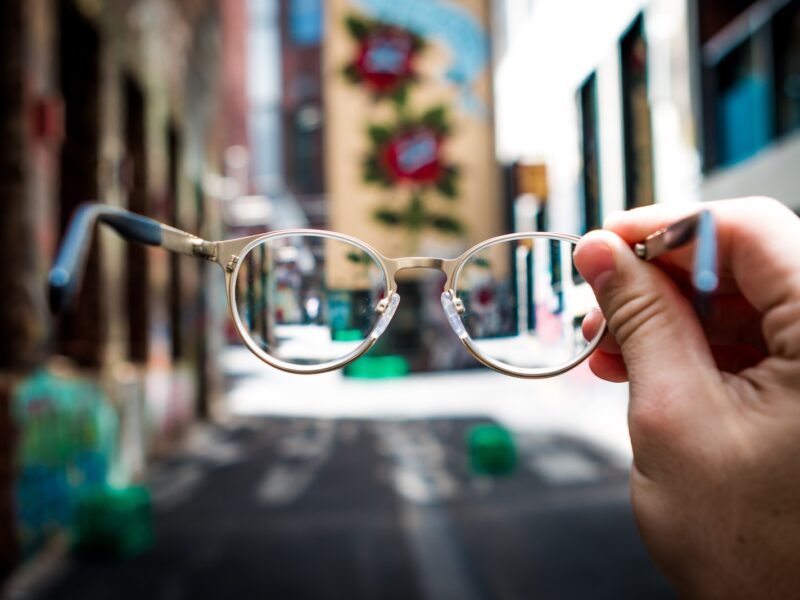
(714, 411)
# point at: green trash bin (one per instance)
(492, 450)
(372, 365)
(113, 522)
(377, 367)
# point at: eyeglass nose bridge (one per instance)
(446, 266)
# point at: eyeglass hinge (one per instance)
(204, 249)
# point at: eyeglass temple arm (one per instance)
(699, 227)
(67, 271)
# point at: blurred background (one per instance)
(145, 452)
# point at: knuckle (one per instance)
(632, 314)
(782, 330)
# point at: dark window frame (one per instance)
(138, 268)
(591, 186)
(83, 335)
(750, 34)
(637, 129)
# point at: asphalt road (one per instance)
(310, 508)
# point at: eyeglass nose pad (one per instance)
(386, 316)
(453, 316)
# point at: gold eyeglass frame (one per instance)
(65, 276)
(228, 254)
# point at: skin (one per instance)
(714, 412)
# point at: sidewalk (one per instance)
(576, 403)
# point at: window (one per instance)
(786, 44)
(305, 150)
(138, 201)
(83, 335)
(637, 130)
(305, 22)
(176, 302)
(590, 155)
(751, 76)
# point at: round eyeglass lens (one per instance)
(524, 303)
(308, 299)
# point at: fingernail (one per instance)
(595, 261)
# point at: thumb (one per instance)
(654, 324)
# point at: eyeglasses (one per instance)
(309, 301)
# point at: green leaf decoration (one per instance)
(351, 74)
(447, 182)
(379, 134)
(373, 173)
(415, 217)
(446, 186)
(436, 119)
(446, 224)
(400, 96)
(358, 257)
(358, 28)
(388, 217)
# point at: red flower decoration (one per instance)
(384, 60)
(485, 296)
(414, 156)
(411, 152)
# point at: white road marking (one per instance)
(174, 485)
(302, 453)
(564, 467)
(420, 477)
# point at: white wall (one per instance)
(551, 46)
(545, 61)
(774, 172)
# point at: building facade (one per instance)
(103, 101)
(650, 101)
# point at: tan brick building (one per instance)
(119, 102)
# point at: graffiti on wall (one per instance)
(67, 438)
(416, 81)
(450, 25)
